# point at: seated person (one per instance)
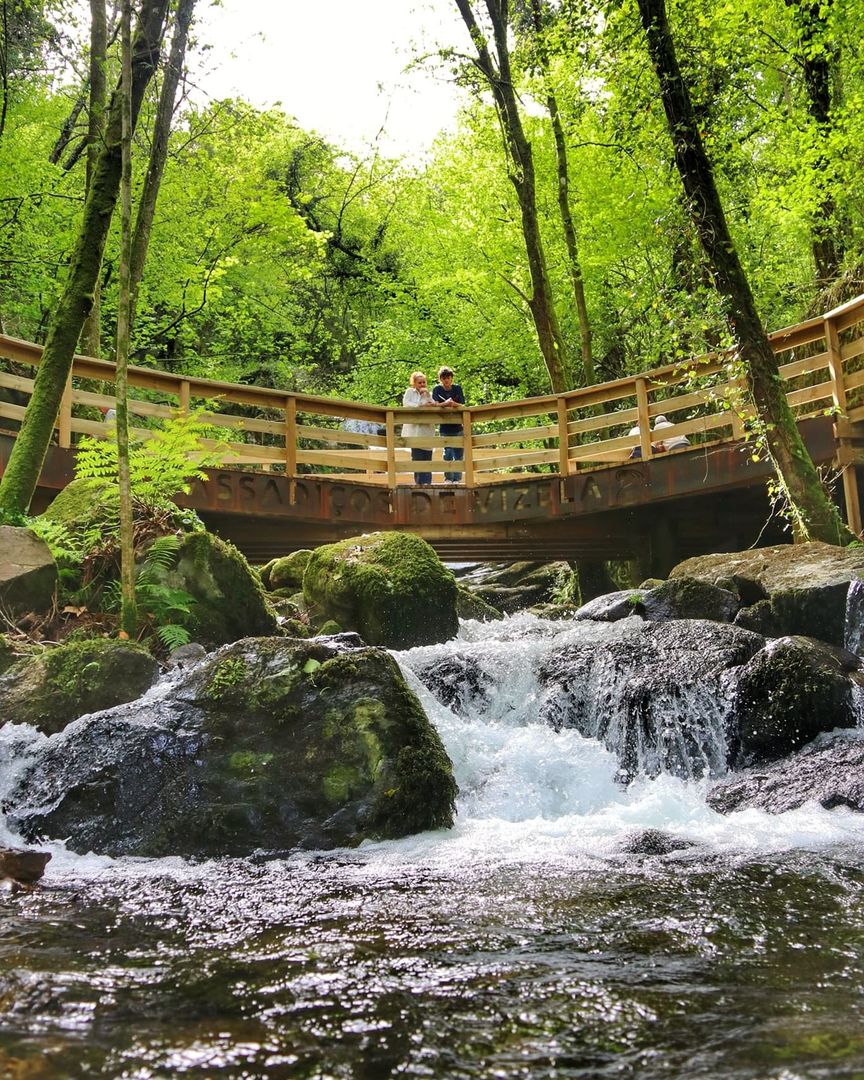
(676, 442)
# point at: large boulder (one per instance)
(790, 692)
(805, 586)
(611, 607)
(689, 598)
(82, 504)
(658, 695)
(229, 599)
(28, 573)
(54, 688)
(830, 771)
(471, 606)
(268, 743)
(391, 588)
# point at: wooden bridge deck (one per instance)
(545, 477)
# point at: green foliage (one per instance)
(160, 606)
(161, 466)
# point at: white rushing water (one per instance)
(530, 793)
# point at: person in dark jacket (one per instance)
(449, 395)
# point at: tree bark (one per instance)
(91, 334)
(567, 225)
(814, 515)
(25, 463)
(159, 148)
(817, 57)
(521, 172)
(128, 607)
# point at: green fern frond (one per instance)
(173, 636)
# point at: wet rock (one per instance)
(553, 612)
(658, 695)
(471, 606)
(28, 573)
(689, 598)
(457, 681)
(229, 598)
(187, 655)
(788, 693)
(830, 771)
(613, 606)
(268, 743)
(391, 588)
(54, 688)
(853, 634)
(654, 842)
(23, 866)
(806, 584)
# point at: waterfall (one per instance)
(853, 637)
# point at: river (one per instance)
(526, 942)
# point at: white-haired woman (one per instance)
(418, 396)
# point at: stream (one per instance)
(551, 933)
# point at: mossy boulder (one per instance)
(512, 587)
(390, 587)
(689, 598)
(84, 503)
(268, 743)
(471, 606)
(790, 692)
(28, 573)
(230, 602)
(287, 573)
(51, 690)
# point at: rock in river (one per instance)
(267, 743)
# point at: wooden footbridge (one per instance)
(546, 477)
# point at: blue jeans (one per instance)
(419, 454)
(453, 453)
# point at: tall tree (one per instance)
(817, 54)
(128, 608)
(574, 265)
(814, 515)
(91, 334)
(159, 147)
(498, 76)
(25, 463)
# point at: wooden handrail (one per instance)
(304, 432)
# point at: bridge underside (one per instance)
(704, 499)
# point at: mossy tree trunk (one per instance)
(521, 171)
(22, 473)
(814, 515)
(128, 609)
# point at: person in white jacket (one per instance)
(418, 396)
(676, 442)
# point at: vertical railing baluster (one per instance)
(468, 454)
(563, 439)
(64, 417)
(643, 418)
(391, 450)
(290, 437)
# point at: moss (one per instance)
(84, 503)
(77, 677)
(230, 602)
(471, 606)
(287, 572)
(330, 627)
(227, 675)
(389, 587)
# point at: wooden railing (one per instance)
(821, 361)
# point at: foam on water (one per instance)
(528, 793)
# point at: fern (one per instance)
(160, 466)
(64, 547)
(173, 636)
(161, 555)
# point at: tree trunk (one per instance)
(91, 343)
(521, 172)
(25, 463)
(814, 515)
(159, 148)
(817, 57)
(567, 224)
(128, 608)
